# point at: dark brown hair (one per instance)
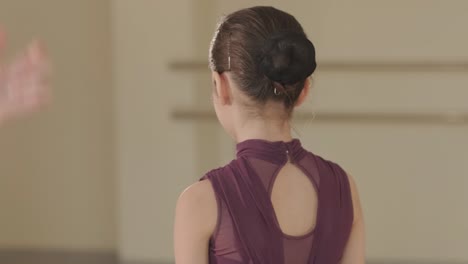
(266, 51)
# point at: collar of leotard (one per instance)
(275, 151)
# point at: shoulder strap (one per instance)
(242, 192)
(335, 214)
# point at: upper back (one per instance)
(278, 203)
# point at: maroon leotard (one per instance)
(248, 231)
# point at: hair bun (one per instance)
(288, 58)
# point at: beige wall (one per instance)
(154, 154)
(56, 169)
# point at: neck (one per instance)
(269, 130)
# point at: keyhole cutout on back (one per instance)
(294, 200)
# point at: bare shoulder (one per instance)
(197, 204)
(352, 183)
(199, 192)
(195, 221)
(356, 199)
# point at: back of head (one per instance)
(267, 53)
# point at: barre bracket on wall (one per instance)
(354, 66)
(345, 117)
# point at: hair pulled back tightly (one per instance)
(288, 58)
(266, 52)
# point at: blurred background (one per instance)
(95, 177)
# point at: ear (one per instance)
(222, 89)
(305, 91)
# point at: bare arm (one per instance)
(355, 249)
(195, 221)
(23, 83)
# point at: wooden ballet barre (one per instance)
(353, 66)
(346, 117)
